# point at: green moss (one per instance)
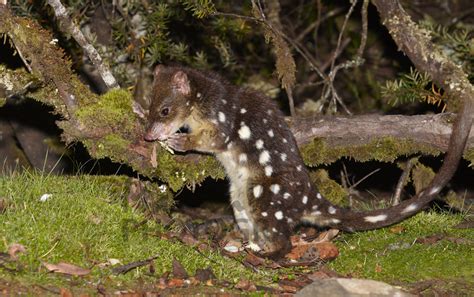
(386, 149)
(87, 221)
(421, 176)
(112, 110)
(394, 257)
(179, 174)
(329, 188)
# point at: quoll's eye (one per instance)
(165, 111)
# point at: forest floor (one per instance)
(73, 235)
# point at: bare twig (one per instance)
(363, 38)
(70, 28)
(25, 62)
(343, 28)
(402, 181)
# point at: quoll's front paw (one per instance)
(178, 142)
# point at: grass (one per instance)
(395, 257)
(86, 222)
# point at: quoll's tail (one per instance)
(359, 221)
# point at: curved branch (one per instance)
(70, 28)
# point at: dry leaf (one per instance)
(204, 275)
(246, 285)
(327, 250)
(327, 235)
(14, 249)
(66, 268)
(254, 260)
(178, 270)
(175, 282)
(65, 293)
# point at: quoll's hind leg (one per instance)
(273, 239)
(266, 235)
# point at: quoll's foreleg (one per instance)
(201, 141)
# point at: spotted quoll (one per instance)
(270, 188)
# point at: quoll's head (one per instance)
(169, 102)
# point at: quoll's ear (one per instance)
(181, 83)
(139, 110)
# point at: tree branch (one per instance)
(70, 28)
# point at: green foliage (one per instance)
(199, 8)
(411, 87)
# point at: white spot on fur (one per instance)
(270, 133)
(264, 157)
(305, 199)
(244, 132)
(335, 221)
(269, 112)
(289, 220)
(315, 206)
(318, 195)
(198, 95)
(279, 215)
(253, 246)
(268, 170)
(257, 191)
(265, 121)
(410, 208)
(264, 214)
(224, 101)
(375, 219)
(242, 158)
(316, 213)
(221, 117)
(331, 210)
(286, 195)
(299, 167)
(275, 188)
(243, 110)
(284, 140)
(259, 144)
(283, 157)
(274, 230)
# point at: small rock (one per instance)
(345, 287)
